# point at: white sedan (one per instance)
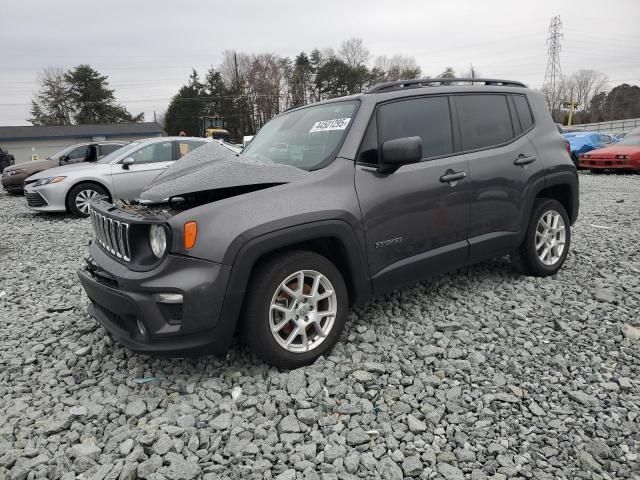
(122, 174)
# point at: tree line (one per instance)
(80, 95)
(588, 92)
(249, 89)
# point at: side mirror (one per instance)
(399, 152)
(127, 162)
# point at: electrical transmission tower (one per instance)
(553, 75)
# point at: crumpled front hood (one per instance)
(61, 171)
(212, 167)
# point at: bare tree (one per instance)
(52, 104)
(583, 85)
(353, 52)
(397, 67)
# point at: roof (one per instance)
(75, 131)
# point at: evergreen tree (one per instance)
(92, 99)
(185, 108)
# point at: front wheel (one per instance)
(295, 308)
(80, 196)
(547, 240)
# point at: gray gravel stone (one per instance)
(449, 472)
(510, 376)
(412, 466)
(389, 470)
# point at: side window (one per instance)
(186, 146)
(108, 148)
(156, 152)
(484, 120)
(524, 112)
(78, 154)
(369, 148)
(428, 118)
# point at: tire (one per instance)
(527, 259)
(76, 204)
(267, 286)
(597, 171)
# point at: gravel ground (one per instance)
(479, 374)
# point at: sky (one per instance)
(147, 48)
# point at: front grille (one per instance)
(34, 199)
(112, 235)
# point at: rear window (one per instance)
(484, 120)
(524, 112)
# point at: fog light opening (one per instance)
(141, 329)
(172, 298)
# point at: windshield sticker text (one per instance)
(326, 125)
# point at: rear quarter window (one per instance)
(524, 112)
(484, 120)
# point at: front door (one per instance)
(415, 219)
(149, 161)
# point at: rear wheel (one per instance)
(295, 308)
(80, 196)
(547, 240)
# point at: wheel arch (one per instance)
(334, 239)
(91, 181)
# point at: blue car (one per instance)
(583, 142)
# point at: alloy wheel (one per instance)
(551, 237)
(83, 198)
(303, 311)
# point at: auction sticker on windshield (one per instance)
(326, 125)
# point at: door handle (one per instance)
(524, 160)
(451, 176)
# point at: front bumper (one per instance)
(609, 164)
(120, 298)
(13, 183)
(46, 198)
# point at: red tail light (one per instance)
(568, 147)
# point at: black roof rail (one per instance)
(429, 82)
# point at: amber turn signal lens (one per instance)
(190, 234)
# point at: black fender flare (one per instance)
(567, 178)
(252, 250)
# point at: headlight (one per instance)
(48, 180)
(158, 240)
(15, 172)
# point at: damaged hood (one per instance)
(212, 167)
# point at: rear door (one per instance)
(503, 165)
(415, 221)
(149, 161)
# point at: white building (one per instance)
(36, 143)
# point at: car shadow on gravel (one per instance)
(48, 216)
(238, 358)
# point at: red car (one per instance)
(624, 155)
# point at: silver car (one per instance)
(122, 174)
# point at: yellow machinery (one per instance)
(213, 127)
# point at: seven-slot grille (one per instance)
(112, 234)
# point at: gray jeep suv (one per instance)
(331, 204)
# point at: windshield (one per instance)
(113, 155)
(630, 140)
(307, 138)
